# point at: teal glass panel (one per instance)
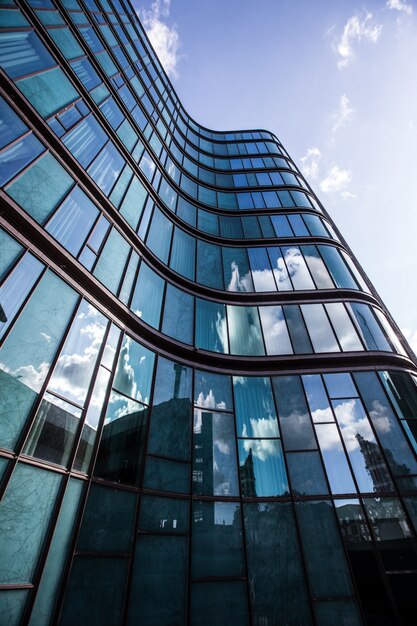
(27, 352)
(178, 319)
(262, 470)
(165, 475)
(41, 187)
(163, 559)
(170, 428)
(343, 612)
(222, 603)
(72, 222)
(96, 588)
(107, 524)
(211, 326)
(147, 296)
(320, 536)
(66, 42)
(26, 508)
(216, 540)
(275, 566)
(294, 417)
(208, 222)
(121, 449)
(214, 454)
(183, 254)
(15, 289)
(171, 515)
(106, 167)
(245, 331)
(12, 604)
(159, 235)
(306, 474)
(48, 92)
(133, 203)
(112, 261)
(209, 265)
(254, 406)
(14, 158)
(298, 332)
(57, 553)
(134, 370)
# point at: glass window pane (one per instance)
(297, 431)
(163, 559)
(261, 270)
(112, 261)
(9, 250)
(343, 326)
(222, 603)
(262, 469)
(318, 325)
(211, 326)
(170, 428)
(237, 276)
(298, 332)
(306, 474)
(337, 268)
(245, 331)
(147, 297)
(183, 253)
(209, 265)
(72, 222)
(297, 269)
(216, 540)
(320, 536)
(178, 319)
(26, 508)
(275, 330)
(275, 565)
(28, 350)
(368, 328)
(48, 92)
(164, 475)
(334, 458)
(254, 406)
(212, 391)
(317, 268)
(214, 454)
(159, 235)
(280, 270)
(41, 187)
(317, 399)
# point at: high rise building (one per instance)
(207, 415)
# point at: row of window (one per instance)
(209, 435)
(238, 330)
(87, 139)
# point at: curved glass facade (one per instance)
(207, 415)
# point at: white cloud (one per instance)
(164, 38)
(336, 180)
(357, 28)
(310, 163)
(343, 113)
(400, 6)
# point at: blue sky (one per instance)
(337, 82)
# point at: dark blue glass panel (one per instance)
(15, 158)
(23, 53)
(159, 235)
(147, 297)
(222, 603)
(11, 126)
(275, 566)
(262, 469)
(209, 265)
(85, 140)
(106, 167)
(254, 406)
(237, 276)
(211, 326)
(183, 253)
(294, 417)
(178, 315)
(72, 222)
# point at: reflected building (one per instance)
(207, 415)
